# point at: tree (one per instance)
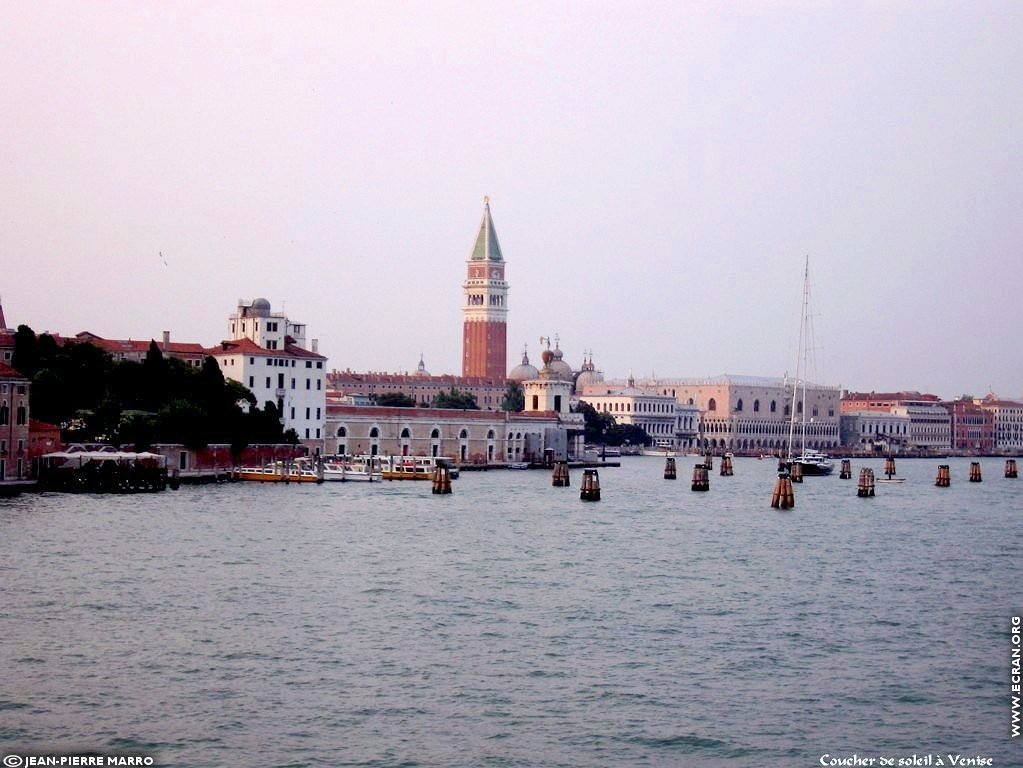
(455, 399)
(514, 398)
(395, 400)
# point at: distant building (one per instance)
(875, 431)
(1007, 422)
(283, 373)
(671, 425)
(972, 427)
(469, 436)
(421, 386)
(136, 350)
(930, 426)
(14, 424)
(751, 414)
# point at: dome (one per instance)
(523, 371)
(421, 368)
(559, 368)
(586, 378)
(260, 308)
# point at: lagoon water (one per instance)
(511, 624)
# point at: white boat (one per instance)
(348, 469)
(814, 462)
(519, 465)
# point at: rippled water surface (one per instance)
(511, 624)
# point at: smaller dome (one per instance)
(260, 307)
(586, 378)
(523, 371)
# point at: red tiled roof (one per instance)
(249, 347)
(138, 346)
(6, 372)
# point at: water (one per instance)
(511, 624)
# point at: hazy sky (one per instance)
(657, 172)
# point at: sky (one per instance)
(659, 174)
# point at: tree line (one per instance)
(94, 398)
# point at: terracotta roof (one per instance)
(6, 372)
(139, 346)
(249, 347)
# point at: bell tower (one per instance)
(485, 306)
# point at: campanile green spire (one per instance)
(487, 248)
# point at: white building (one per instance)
(268, 359)
(671, 424)
(875, 431)
(1008, 423)
(930, 426)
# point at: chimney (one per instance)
(166, 341)
(316, 346)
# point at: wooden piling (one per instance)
(726, 466)
(783, 497)
(944, 478)
(708, 462)
(441, 480)
(796, 472)
(975, 472)
(889, 467)
(590, 489)
(845, 473)
(560, 478)
(701, 478)
(1011, 471)
(669, 469)
(865, 488)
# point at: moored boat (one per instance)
(414, 467)
(279, 472)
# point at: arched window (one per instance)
(799, 407)
(738, 405)
(342, 432)
(405, 433)
(374, 432)
(774, 406)
(756, 406)
(436, 433)
(712, 405)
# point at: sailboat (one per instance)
(810, 460)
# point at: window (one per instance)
(756, 406)
(252, 382)
(738, 405)
(712, 405)
(308, 363)
(308, 384)
(268, 382)
(22, 415)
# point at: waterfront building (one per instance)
(267, 359)
(972, 427)
(752, 414)
(14, 424)
(672, 425)
(485, 306)
(1007, 423)
(930, 427)
(875, 431)
(469, 436)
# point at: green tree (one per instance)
(514, 398)
(455, 399)
(395, 400)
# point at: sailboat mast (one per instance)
(800, 361)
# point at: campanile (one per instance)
(485, 306)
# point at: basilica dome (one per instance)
(523, 371)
